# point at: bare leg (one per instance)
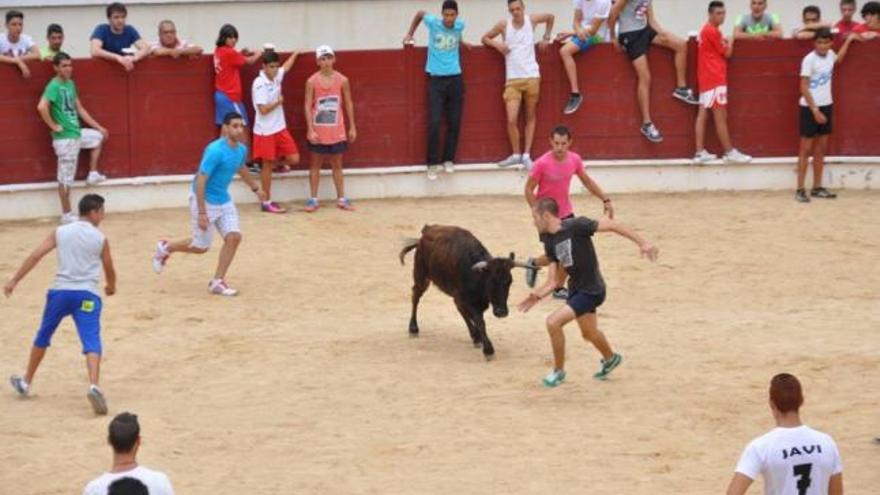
(531, 121)
(720, 116)
(266, 177)
(315, 173)
(700, 129)
(643, 73)
(555, 321)
(819, 147)
(338, 179)
(512, 108)
(184, 246)
(679, 46)
(227, 253)
(94, 155)
(93, 365)
(592, 334)
(803, 160)
(567, 53)
(64, 196)
(37, 355)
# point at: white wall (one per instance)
(345, 24)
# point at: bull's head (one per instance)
(498, 280)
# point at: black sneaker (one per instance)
(686, 95)
(531, 273)
(574, 102)
(801, 196)
(560, 293)
(821, 192)
(652, 133)
(254, 168)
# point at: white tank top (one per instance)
(79, 247)
(521, 62)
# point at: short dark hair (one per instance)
(786, 393)
(229, 117)
(511, 1)
(270, 57)
(116, 7)
(545, 205)
(13, 14)
(449, 5)
(226, 31)
(54, 28)
(812, 9)
(715, 4)
(847, 2)
(60, 57)
(90, 203)
(871, 8)
(127, 486)
(561, 130)
(824, 34)
(124, 431)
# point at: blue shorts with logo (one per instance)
(83, 306)
(584, 45)
(223, 105)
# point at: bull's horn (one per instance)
(480, 266)
(520, 264)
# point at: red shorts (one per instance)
(274, 146)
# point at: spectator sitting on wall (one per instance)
(169, 45)
(17, 48)
(127, 486)
(846, 23)
(812, 22)
(758, 24)
(124, 435)
(870, 29)
(54, 40)
(116, 41)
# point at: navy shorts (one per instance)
(810, 128)
(636, 43)
(223, 105)
(584, 303)
(329, 149)
(83, 306)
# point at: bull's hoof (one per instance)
(477, 344)
(413, 335)
(489, 357)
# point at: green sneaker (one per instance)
(554, 378)
(608, 366)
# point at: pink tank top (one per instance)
(327, 115)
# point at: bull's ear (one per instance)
(480, 266)
(512, 256)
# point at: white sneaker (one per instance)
(448, 167)
(95, 177)
(704, 156)
(527, 163)
(160, 257)
(218, 287)
(97, 399)
(736, 156)
(433, 171)
(510, 161)
(69, 217)
(20, 386)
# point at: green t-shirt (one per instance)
(62, 99)
(47, 53)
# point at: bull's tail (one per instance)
(408, 245)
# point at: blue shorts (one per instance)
(585, 45)
(223, 105)
(84, 306)
(583, 302)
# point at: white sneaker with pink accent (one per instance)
(218, 287)
(161, 256)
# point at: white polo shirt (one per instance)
(266, 92)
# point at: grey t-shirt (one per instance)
(572, 248)
(764, 24)
(79, 246)
(634, 16)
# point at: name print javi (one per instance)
(804, 450)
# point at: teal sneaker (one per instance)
(608, 366)
(554, 378)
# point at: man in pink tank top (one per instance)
(327, 93)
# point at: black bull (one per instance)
(462, 267)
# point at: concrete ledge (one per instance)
(23, 201)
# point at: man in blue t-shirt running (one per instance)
(210, 203)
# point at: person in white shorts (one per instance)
(211, 205)
(61, 110)
(793, 458)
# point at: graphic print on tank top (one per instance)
(327, 111)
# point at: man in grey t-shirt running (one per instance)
(82, 250)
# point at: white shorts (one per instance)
(714, 98)
(67, 151)
(223, 217)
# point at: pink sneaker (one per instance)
(272, 207)
(161, 256)
(344, 204)
(218, 286)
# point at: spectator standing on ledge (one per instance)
(812, 22)
(870, 29)
(54, 40)
(445, 83)
(117, 41)
(846, 23)
(124, 436)
(16, 48)
(758, 24)
(228, 96)
(590, 28)
(170, 45)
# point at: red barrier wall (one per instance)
(161, 115)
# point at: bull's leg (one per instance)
(467, 314)
(488, 348)
(420, 285)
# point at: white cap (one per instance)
(324, 50)
(269, 46)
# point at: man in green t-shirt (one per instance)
(61, 110)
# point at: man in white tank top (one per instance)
(793, 458)
(82, 251)
(523, 74)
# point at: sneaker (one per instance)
(312, 205)
(554, 378)
(574, 102)
(652, 133)
(686, 95)
(704, 156)
(821, 192)
(560, 293)
(801, 196)
(95, 177)
(69, 217)
(433, 171)
(531, 272)
(272, 207)
(510, 161)
(254, 168)
(737, 156)
(344, 204)
(608, 366)
(527, 163)
(20, 385)
(218, 286)
(160, 257)
(97, 399)
(448, 167)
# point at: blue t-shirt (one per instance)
(443, 57)
(219, 164)
(112, 42)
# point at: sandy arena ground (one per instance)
(308, 383)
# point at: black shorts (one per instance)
(810, 128)
(329, 149)
(583, 302)
(636, 43)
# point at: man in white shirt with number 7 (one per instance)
(793, 458)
